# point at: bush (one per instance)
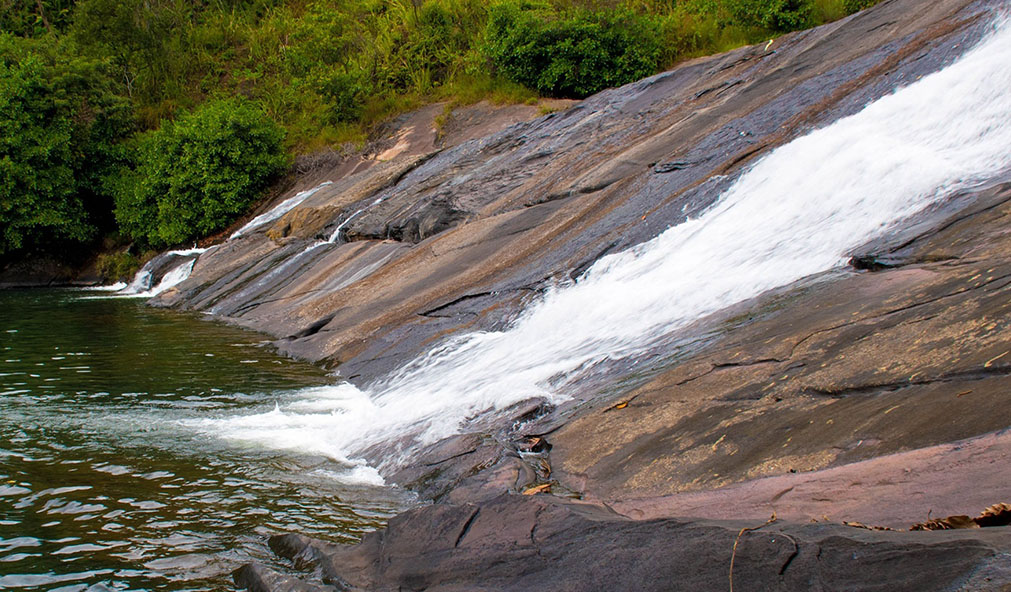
(119, 266)
(775, 15)
(852, 6)
(199, 173)
(574, 55)
(35, 18)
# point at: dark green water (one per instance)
(104, 484)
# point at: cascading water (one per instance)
(279, 210)
(797, 212)
(143, 285)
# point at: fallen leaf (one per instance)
(949, 523)
(867, 526)
(995, 515)
(542, 488)
(533, 444)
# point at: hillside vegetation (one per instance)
(160, 121)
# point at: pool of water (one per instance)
(107, 483)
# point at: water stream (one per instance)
(797, 212)
(143, 449)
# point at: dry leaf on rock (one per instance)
(867, 526)
(995, 515)
(949, 523)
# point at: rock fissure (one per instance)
(466, 527)
(431, 312)
(961, 376)
(791, 557)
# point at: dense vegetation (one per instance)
(198, 173)
(120, 117)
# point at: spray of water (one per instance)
(795, 213)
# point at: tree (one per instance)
(37, 189)
(61, 131)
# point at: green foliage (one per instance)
(574, 54)
(117, 266)
(80, 78)
(35, 18)
(60, 125)
(198, 173)
(775, 15)
(36, 172)
(852, 6)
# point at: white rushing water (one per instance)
(797, 212)
(279, 210)
(141, 285)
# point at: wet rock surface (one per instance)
(850, 368)
(874, 393)
(498, 216)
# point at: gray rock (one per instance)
(526, 543)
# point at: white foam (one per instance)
(797, 212)
(109, 288)
(193, 251)
(357, 475)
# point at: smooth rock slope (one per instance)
(874, 393)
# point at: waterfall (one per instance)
(143, 285)
(796, 212)
(279, 210)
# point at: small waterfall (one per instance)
(796, 212)
(335, 236)
(173, 278)
(143, 285)
(141, 280)
(279, 210)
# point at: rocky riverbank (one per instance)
(872, 394)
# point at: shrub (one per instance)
(852, 6)
(35, 18)
(775, 15)
(118, 266)
(574, 55)
(344, 93)
(198, 173)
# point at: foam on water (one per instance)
(109, 288)
(797, 212)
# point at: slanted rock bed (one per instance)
(873, 395)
